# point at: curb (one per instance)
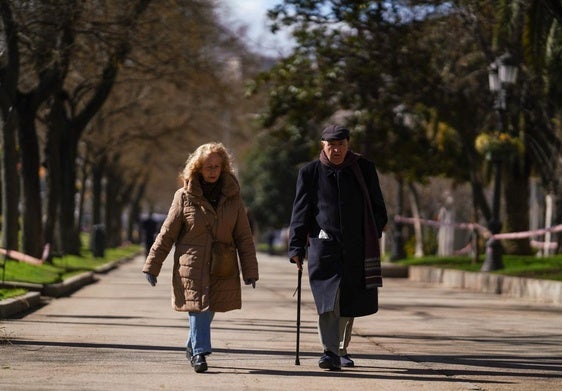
(543, 291)
(107, 267)
(15, 305)
(25, 285)
(390, 270)
(69, 285)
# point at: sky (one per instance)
(253, 14)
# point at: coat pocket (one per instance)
(324, 258)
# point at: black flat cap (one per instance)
(335, 132)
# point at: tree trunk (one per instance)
(9, 75)
(54, 178)
(135, 212)
(133, 223)
(32, 224)
(113, 211)
(557, 213)
(97, 190)
(69, 233)
(119, 192)
(516, 219)
(478, 198)
(414, 202)
(10, 182)
(82, 195)
(398, 251)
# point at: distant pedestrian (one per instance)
(339, 214)
(148, 227)
(208, 210)
(271, 242)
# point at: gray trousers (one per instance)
(335, 330)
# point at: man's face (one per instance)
(335, 150)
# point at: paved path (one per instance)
(121, 334)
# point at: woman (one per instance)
(206, 209)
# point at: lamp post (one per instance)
(501, 74)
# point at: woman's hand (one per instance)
(151, 279)
(250, 281)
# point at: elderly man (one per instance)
(339, 214)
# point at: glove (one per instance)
(250, 281)
(150, 278)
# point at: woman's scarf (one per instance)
(372, 265)
(211, 191)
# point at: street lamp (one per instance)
(501, 74)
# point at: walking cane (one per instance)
(299, 279)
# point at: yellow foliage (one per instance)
(498, 144)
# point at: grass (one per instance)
(6, 293)
(547, 268)
(61, 268)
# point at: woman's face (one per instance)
(211, 168)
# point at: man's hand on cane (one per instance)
(296, 259)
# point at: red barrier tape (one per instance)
(21, 256)
(485, 231)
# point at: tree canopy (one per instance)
(410, 78)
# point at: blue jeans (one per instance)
(199, 341)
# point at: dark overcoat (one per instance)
(331, 200)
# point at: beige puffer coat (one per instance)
(187, 226)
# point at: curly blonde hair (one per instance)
(195, 160)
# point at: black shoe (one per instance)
(346, 361)
(330, 361)
(199, 363)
